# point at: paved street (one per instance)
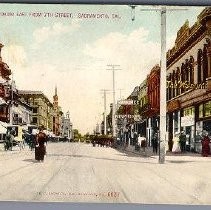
(78, 172)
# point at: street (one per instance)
(78, 172)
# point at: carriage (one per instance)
(17, 132)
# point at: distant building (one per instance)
(42, 108)
(67, 126)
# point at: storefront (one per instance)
(188, 125)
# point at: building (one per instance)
(5, 87)
(143, 106)
(42, 108)
(21, 113)
(189, 80)
(67, 126)
(150, 110)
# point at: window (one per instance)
(199, 64)
(207, 109)
(190, 111)
(34, 120)
(35, 110)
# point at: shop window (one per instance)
(190, 111)
(207, 109)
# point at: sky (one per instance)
(73, 52)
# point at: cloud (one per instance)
(14, 55)
(135, 54)
(48, 32)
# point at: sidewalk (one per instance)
(149, 152)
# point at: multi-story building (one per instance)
(5, 73)
(151, 108)
(143, 106)
(42, 114)
(189, 80)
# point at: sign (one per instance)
(122, 116)
(187, 121)
(128, 102)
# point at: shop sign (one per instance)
(128, 102)
(185, 85)
(187, 121)
(122, 116)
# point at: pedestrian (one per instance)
(155, 143)
(205, 145)
(176, 144)
(182, 141)
(8, 141)
(40, 148)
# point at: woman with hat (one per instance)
(40, 149)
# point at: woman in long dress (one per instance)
(176, 144)
(40, 149)
(205, 145)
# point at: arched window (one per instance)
(191, 69)
(177, 81)
(187, 72)
(173, 81)
(182, 77)
(205, 64)
(199, 65)
(170, 88)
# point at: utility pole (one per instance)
(113, 68)
(162, 133)
(105, 113)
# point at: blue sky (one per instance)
(72, 53)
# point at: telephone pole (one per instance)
(104, 96)
(113, 68)
(162, 133)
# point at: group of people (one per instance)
(179, 143)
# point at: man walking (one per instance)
(182, 141)
(155, 143)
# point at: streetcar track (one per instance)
(38, 196)
(172, 184)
